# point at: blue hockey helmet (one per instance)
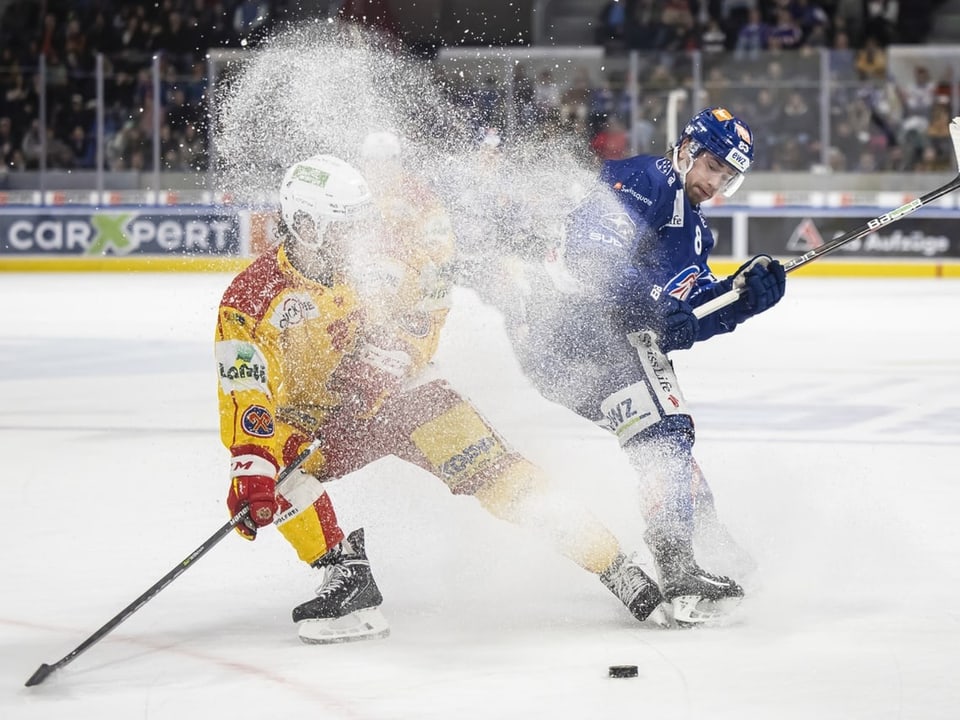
(729, 138)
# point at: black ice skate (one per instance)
(694, 595)
(347, 602)
(635, 589)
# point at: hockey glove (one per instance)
(762, 282)
(365, 377)
(258, 492)
(675, 324)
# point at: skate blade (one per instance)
(367, 624)
(696, 611)
(660, 616)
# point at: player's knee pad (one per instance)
(458, 445)
(306, 517)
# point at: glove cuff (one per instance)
(248, 464)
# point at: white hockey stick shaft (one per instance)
(731, 296)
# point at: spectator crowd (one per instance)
(761, 58)
(69, 34)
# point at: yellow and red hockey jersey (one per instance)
(280, 335)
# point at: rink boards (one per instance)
(224, 238)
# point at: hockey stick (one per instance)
(731, 296)
(45, 670)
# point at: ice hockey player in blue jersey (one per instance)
(616, 297)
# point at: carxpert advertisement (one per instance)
(135, 232)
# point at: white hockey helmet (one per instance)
(380, 145)
(326, 189)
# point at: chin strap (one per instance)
(682, 171)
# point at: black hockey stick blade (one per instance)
(40, 675)
(44, 671)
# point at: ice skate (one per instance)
(347, 603)
(635, 589)
(693, 595)
(696, 596)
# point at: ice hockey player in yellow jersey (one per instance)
(328, 334)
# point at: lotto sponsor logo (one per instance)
(242, 370)
(242, 367)
(257, 421)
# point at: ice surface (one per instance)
(828, 427)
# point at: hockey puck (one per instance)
(623, 671)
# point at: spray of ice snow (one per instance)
(322, 86)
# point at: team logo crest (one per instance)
(683, 283)
(257, 421)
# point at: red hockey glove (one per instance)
(368, 375)
(258, 492)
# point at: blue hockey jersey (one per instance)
(636, 238)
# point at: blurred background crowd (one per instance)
(787, 66)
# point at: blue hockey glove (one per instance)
(762, 282)
(675, 324)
